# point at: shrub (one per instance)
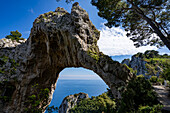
(168, 83)
(161, 80)
(139, 92)
(166, 73)
(153, 79)
(141, 76)
(131, 69)
(37, 99)
(99, 104)
(150, 109)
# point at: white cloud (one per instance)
(31, 10)
(113, 41)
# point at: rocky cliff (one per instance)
(70, 101)
(136, 63)
(6, 43)
(149, 63)
(58, 39)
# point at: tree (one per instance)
(151, 54)
(15, 35)
(142, 19)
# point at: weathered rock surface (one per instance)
(70, 101)
(57, 40)
(9, 43)
(139, 64)
(136, 63)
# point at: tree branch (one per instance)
(166, 40)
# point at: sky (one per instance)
(20, 15)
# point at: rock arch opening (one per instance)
(75, 80)
(58, 40)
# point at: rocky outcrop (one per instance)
(9, 43)
(57, 40)
(143, 67)
(70, 101)
(136, 63)
(126, 61)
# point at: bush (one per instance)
(141, 76)
(166, 73)
(99, 104)
(161, 80)
(139, 92)
(149, 109)
(153, 79)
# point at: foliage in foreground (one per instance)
(139, 92)
(102, 103)
(139, 97)
(149, 109)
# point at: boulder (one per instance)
(70, 101)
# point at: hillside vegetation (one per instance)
(157, 65)
(138, 96)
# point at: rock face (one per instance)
(70, 101)
(139, 64)
(9, 43)
(136, 63)
(57, 40)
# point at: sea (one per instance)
(92, 87)
(70, 87)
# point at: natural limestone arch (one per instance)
(58, 40)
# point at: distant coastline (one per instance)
(120, 58)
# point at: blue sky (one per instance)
(20, 14)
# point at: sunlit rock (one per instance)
(57, 40)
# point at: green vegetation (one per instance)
(6, 60)
(94, 55)
(154, 79)
(141, 76)
(149, 109)
(15, 35)
(166, 73)
(6, 88)
(102, 103)
(161, 81)
(138, 97)
(139, 92)
(131, 70)
(6, 91)
(141, 18)
(38, 99)
(156, 64)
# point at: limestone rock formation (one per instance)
(9, 43)
(70, 101)
(139, 64)
(57, 40)
(136, 63)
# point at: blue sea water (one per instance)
(68, 87)
(91, 86)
